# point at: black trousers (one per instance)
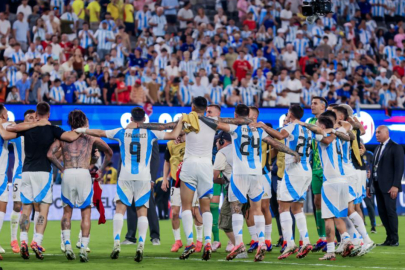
(162, 201)
(387, 208)
(370, 209)
(132, 221)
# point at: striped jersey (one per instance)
(247, 94)
(299, 140)
(189, 67)
(86, 40)
(300, 45)
(143, 19)
(215, 94)
(331, 158)
(347, 156)
(18, 57)
(81, 88)
(378, 11)
(316, 30)
(19, 156)
(93, 100)
(101, 36)
(57, 93)
(185, 94)
(136, 151)
(247, 149)
(11, 74)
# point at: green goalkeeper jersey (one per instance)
(316, 161)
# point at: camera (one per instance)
(312, 10)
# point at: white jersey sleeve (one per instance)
(111, 134)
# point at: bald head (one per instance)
(382, 134)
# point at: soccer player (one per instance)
(19, 155)
(318, 106)
(335, 190)
(246, 178)
(173, 157)
(77, 185)
(134, 180)
(36, 176)
(352, 179)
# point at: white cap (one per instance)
(300, 32)
(383, 70)
(281, 30)
(160, 40)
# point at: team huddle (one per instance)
(205, 152)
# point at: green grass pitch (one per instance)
(160, 257)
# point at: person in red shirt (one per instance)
(250, 22)
(241, 66)
(122, 91)
(400, 69)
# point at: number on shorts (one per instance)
(15, 187)
(249, 140)
(135, 152)
(172, 192)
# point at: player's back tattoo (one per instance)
(77, 154)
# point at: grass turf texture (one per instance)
(160, 257)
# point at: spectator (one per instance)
(185, 15)
(5, 26)
(170, 7)
(23, 86)
(13, 96)
(21, 31)
(138, 94)
(159, 23)
(110, 175)
(104, 40)
(57, 95)
(93, 93)
(93, 11)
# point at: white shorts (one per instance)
(4, 188)
(77, 188)
(17, 177)
(266, 182)
(335, 198)
(243, 185)
(295, 183)
(133, 190)
(352, 182)
(197, 174)
(175, 198)
(36, 187)
(361, 185)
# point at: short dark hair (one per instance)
(2, 107)
(200, 103)
(321, 99)
(254, 108)
(343, 111)
(297, 111)
(216, 106)
(77, 119)
(29, 112)
(138, 114)
(330, 114)
(43, 108)
(326, 121)
(242, 110)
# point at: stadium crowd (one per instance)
(258, 52)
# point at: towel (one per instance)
(177, 184)
(98, 203)
(191, 122)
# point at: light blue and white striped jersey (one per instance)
(162, 81)
(4, 160)
(300, 45)
(161, 22)
(299, 140)
(256, 62)
(306, 96)
(328, 22)
(11, 74)
(230, 29)
(93, 100)
(81, 87)
(253, 9)
(263, 13)
(400, 10)
(378, 11)
(110, 26)
(389, 51)
(60, 4)
(228, 91)
(101, 36)
(247, 94)
(292, 33)
(247, 150)
(277, 10)
(365, 36)
(189, 67)
(347, 156)
(390, 4)
(185, 94)
(40, 33)
(55, 75)
(279, 87)
(136, 151)
(19, 156)
(130, 79)
(57, 93)
(44, 58)
(331, 159)
(161, 62)
(143, 19)
(120, 55)
(316, 30)
(215, 94)
(86, 40)
(279, 42)
(18, 57)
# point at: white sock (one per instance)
(187, 219)
(359, 224)
(301, 222)
(118, 222)
(199, 230)
(345, 237)
(66, 237)
(260, 223)
(85, 243)
(176, 233)
(237, 225)
(330, 247)
(24, 237)
(38, 238)
(143, 225)
(286, 226)
(207, 223)
(36, 215)
(15, 217)
(267, 231)
(80, 236)
(252, 232)
(354, 234)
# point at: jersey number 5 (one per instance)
(135, 150)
